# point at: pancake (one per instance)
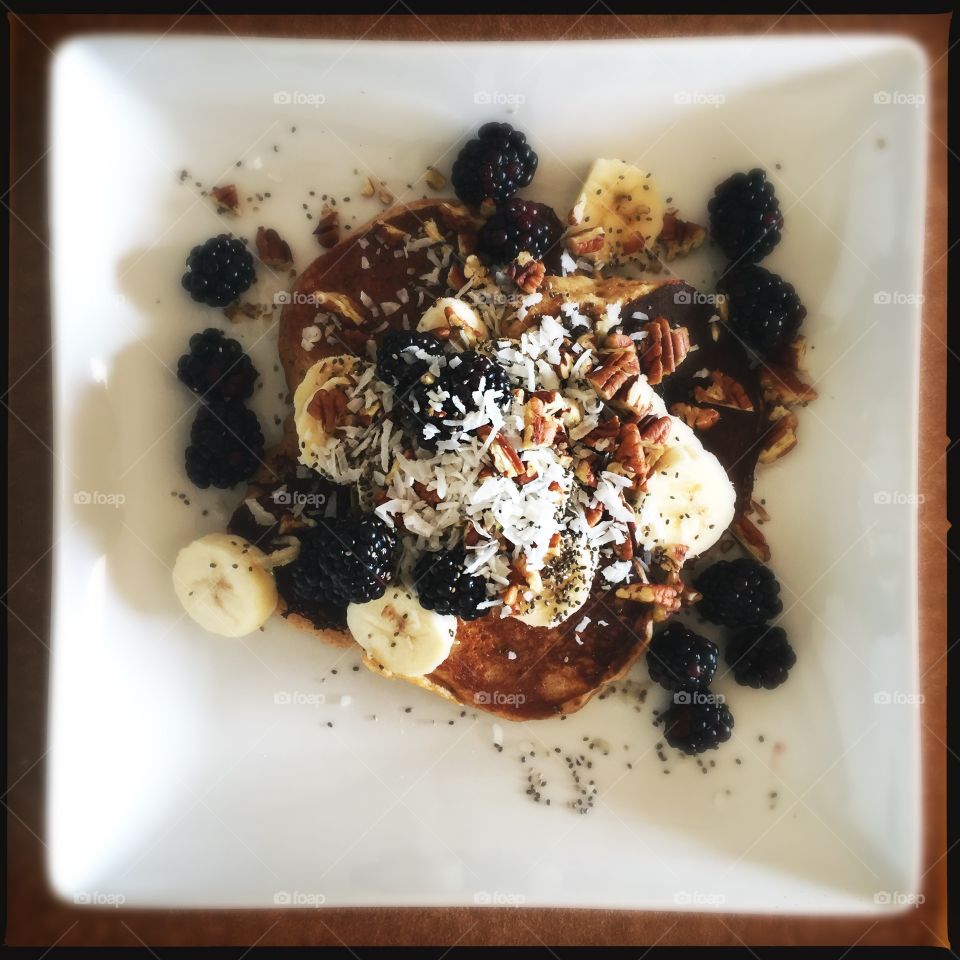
(354, 294)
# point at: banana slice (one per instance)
(400, 635)
(619, 208)
(567, 581)
(459, 318)
(333, 400)
(224, 583)
(689, 499)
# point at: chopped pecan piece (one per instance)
(585, 242)
(697, 418)
(227, 199)
(425, 493)
(664, 597)
(327, 230)
(723, 391)
(390, 235)
(784, 386)
(506, 460)
(663, 350)
(679, 237)
(794, 355)
(272, 249)
(540, 424)
(629, 452)
(328, 407)
(751, 537)
(618, 364)
(781, 438)
(435, 179)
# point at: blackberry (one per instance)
(764, 309)
(745, 217)
(444, 586)
(397, 360)
(694, 726)
(760, 657)
(345, 561)
(226, 445)
(494, 165)
(218, 271)
(451, 396)
(738, 593)
(516, 226)
(216, 367)
(679, 659)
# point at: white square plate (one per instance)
(187, 770)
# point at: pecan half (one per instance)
(272, 249)
(527, 275)
(629, 452)
(327, 230)
(506, 460)
(784, 386)
(663, 350)
(723, 391)
(664, 597)
(618, 364)
(655, 430)
(697, 418)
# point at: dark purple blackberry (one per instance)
(444, 586)
(694, 725)
(738, 593)
(218, 271)
(764, 309)
(679, 659)
(216, 367)
(400, 356)
(745, 217)
(452, 396)
(226, 445)
(517, 226)
(345, 561)
(760, 657)
(494, 165)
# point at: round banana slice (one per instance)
(400, 635)
(620, 204)
(567, 581)
(323, 412)
(689, 499)
(459, 318)
(225, 585)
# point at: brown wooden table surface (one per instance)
(34, 915)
